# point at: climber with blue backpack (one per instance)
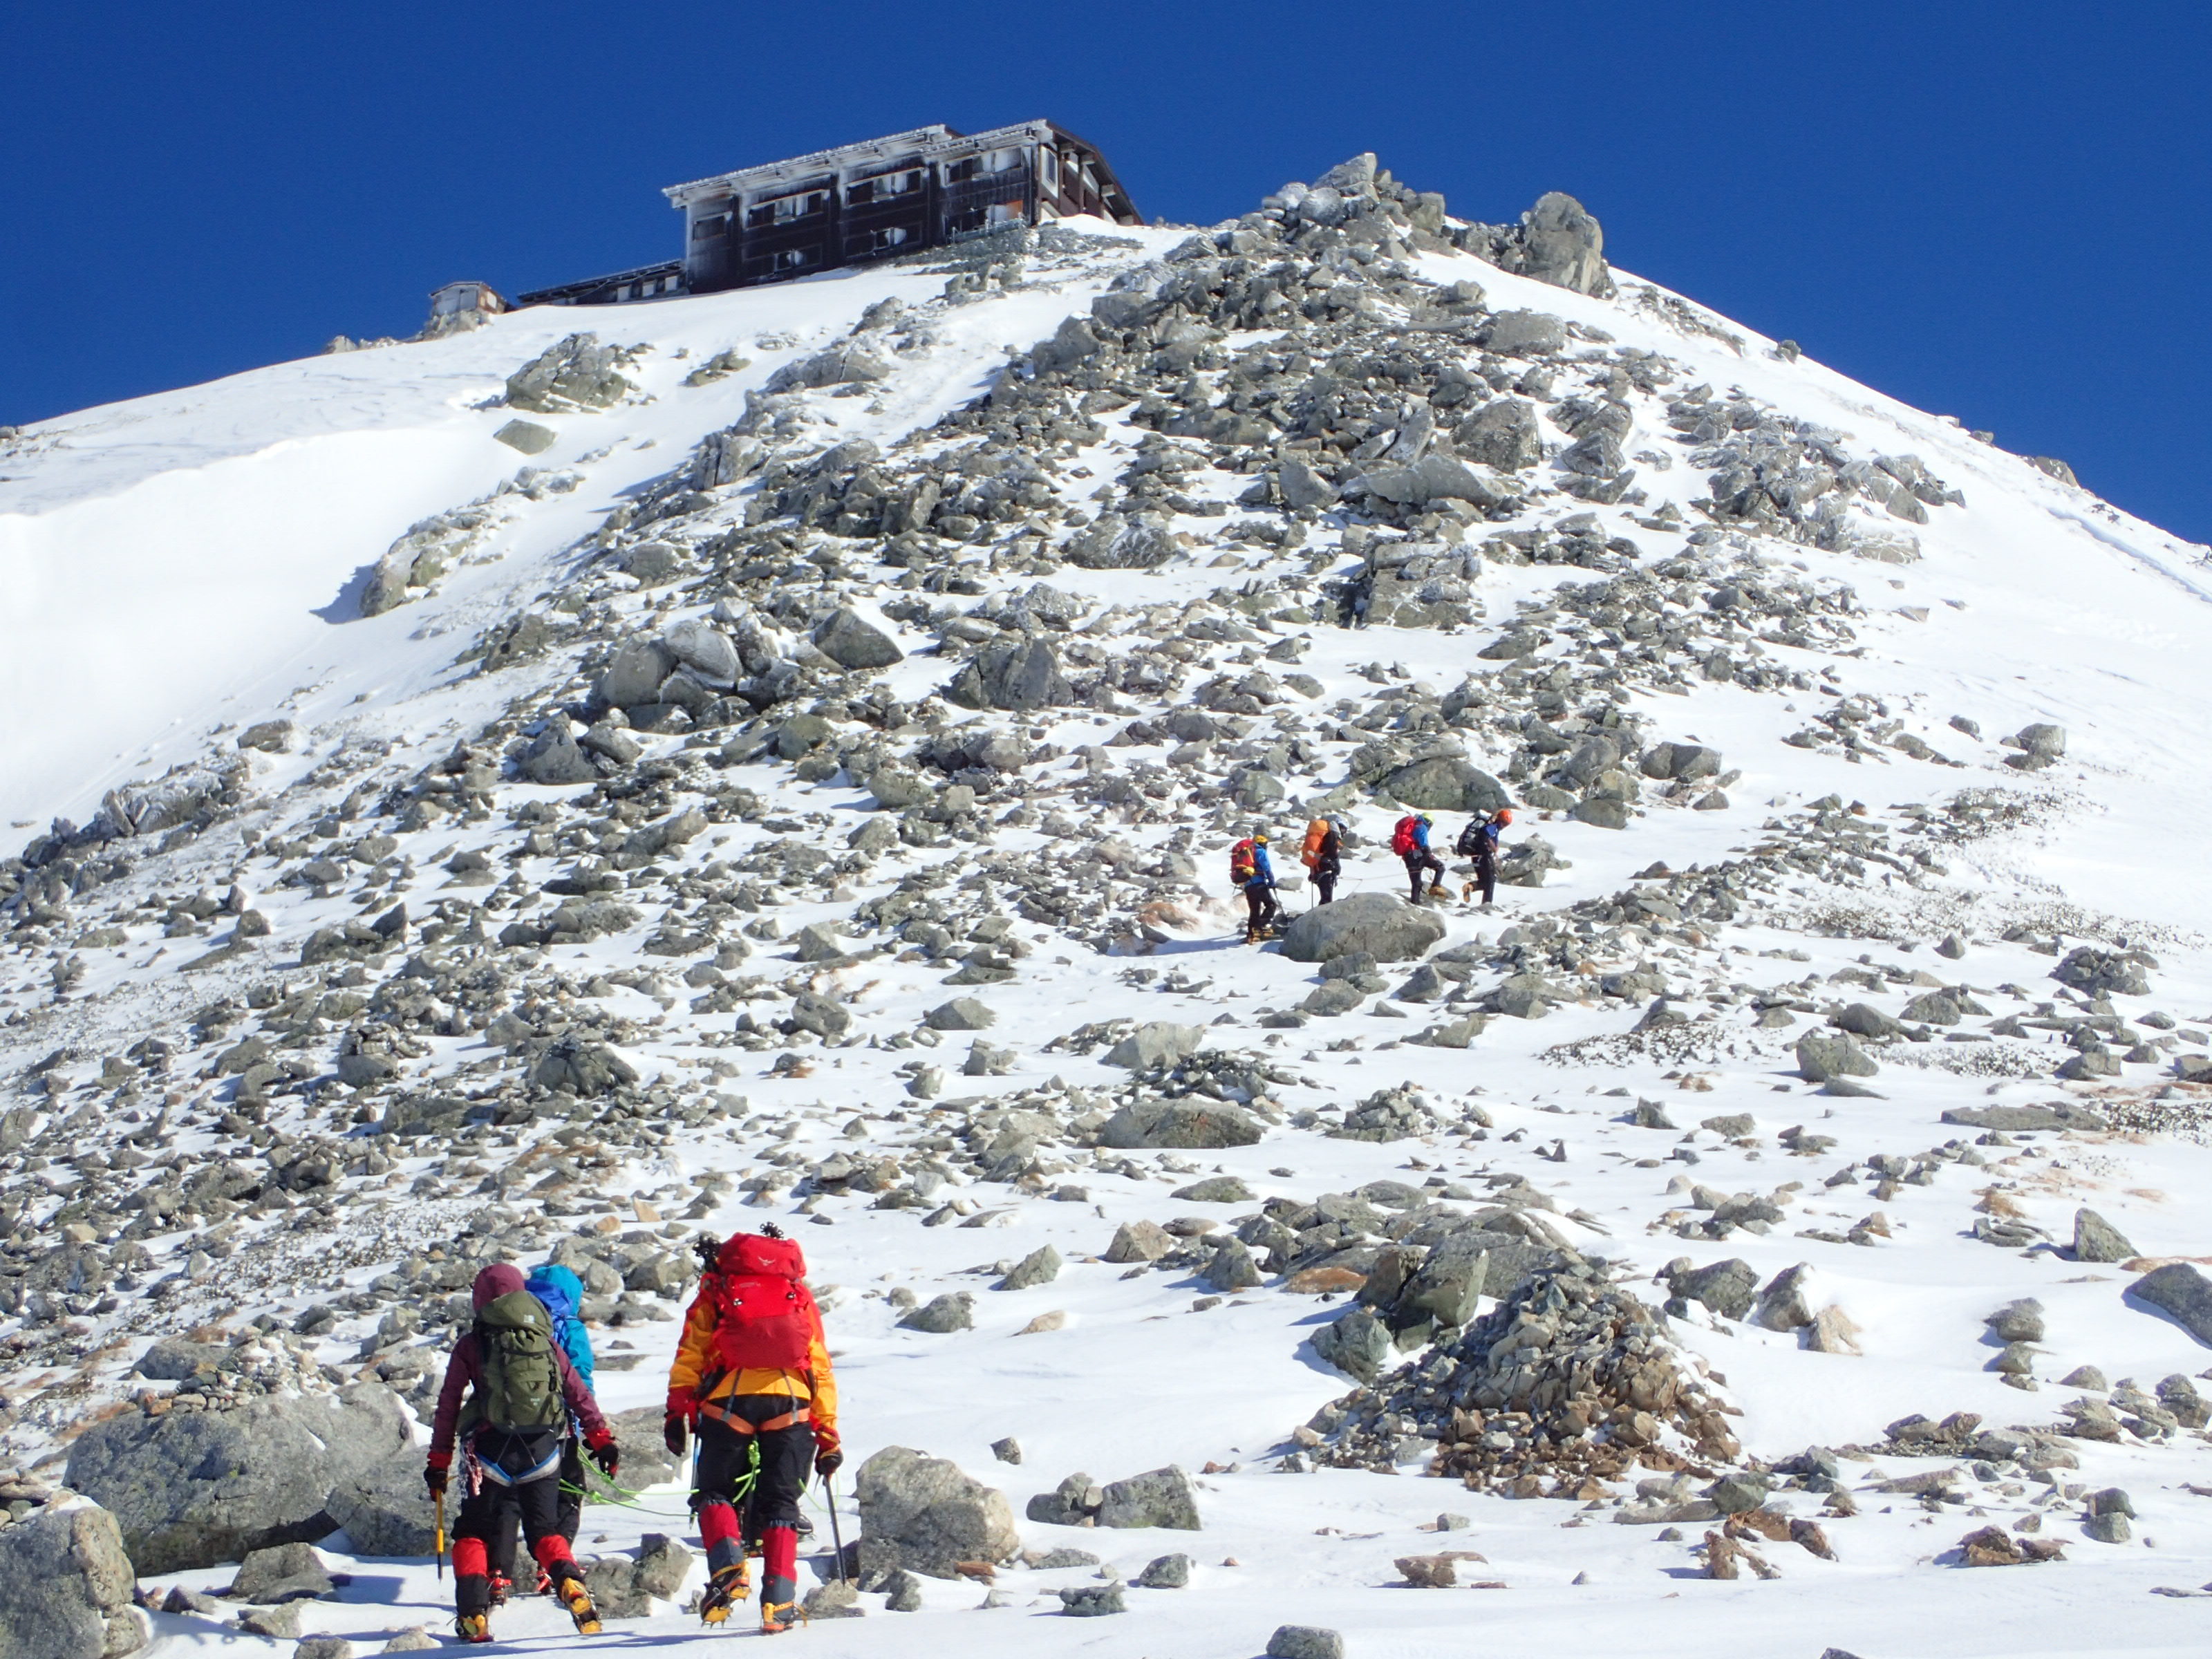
(509, 1394)
(562, 1294)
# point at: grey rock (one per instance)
(552, 758)
(1525, 334)
(1165, 1572)
(1018, 676)
(1726, 1287)
(1092, 1601)
(662, 1565)
(1233, 1267)
(1215, 1189)
(1821, 1055)
(2018, 1321)
(1114, 542)
(1184, 1124)
(2015, 1120)
(1783, 1305)
(1304, 1642)
(1381, 924)
(1158, 1497)
(1863, 1019)
(1156, 1043)
(2086, 968)
(634, 676)
(191, 1489)
(1446, 783)
(1139, 1241)
(323, 1647)
(414, 1639)
(527, 436)
(1008, 1450)
(1601, 811)
(1040, 1267)
(285, 1572)
(851, 363)
(1437, 477)
(174, 1358)
(922, 1513)
(1303, 489)
(281, 1622)
(2107, 1528)
(902, 1592)
(941, 1316)
(850, 641)
(1502, 433)
(705, 650)
(961, 1014)
(2096, 1239)
(612, 1581)
(2182, 1291)
(835, 1599)
(1357, 1343)
(812, 1011)
(1074, 1501)
(577, 372)
(66, 1586)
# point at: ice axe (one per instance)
(837, 1536)
(440, 1545)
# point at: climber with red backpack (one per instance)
(753, 1378)
(1410, 841)
(522, 1392)
(1250, 868)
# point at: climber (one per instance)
(753, 1378)
(562, 1293)
(1479, 842)
(1410, 841)
(1323, 856)
(1251, 870)
(522, 1391)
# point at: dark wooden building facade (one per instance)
(874, 200)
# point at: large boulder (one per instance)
(385, 1509)
(1437, 477)
(65, 1586)
(191, 1489)
(2096, 1239)
(1017, 676)
(578, 373)
(2182, 1291)
(645, 1460)
(922, 1513)
(1823, 1055)
(553, 756)
(1445, 783)
(1184, 1124)
(1502, 433)
(1557, 241)
(1382, 925)
(851, 640)
(1156, 1043)
(1158, 1497)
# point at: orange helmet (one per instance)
(1505, 815)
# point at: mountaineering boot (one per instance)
(779, 1580)
(502, 1588)
(577, 1600)
(729, 1586)
(472, 1626)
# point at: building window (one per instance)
(785, 210)
(1048, 165)
(705, 230)
(960, 172)
(963, 223)
(793, 259)
(883, 186)
(1002, 160)
(1005, 213)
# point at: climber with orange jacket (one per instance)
(753, 1378)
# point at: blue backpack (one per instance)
(562, 1293)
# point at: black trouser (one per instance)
(1260, 901)
(1419, 860)
(486, 1515)
(1325, 877)
(1485, 872)
(726, 1457)
(569, 1516)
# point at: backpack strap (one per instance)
(737, 1424)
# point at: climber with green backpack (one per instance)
(522, 1392)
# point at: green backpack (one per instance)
(520, 1387)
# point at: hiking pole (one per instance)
(837, 1536)
(440, 1543)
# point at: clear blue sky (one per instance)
(1994, 211)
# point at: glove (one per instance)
(608, 1456)
(433, 1477)
(675, 1433)
(828, 1452)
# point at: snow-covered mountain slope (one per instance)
(802, 790)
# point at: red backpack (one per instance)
(1401, 838)
(1242, 864)
(764, 1317)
